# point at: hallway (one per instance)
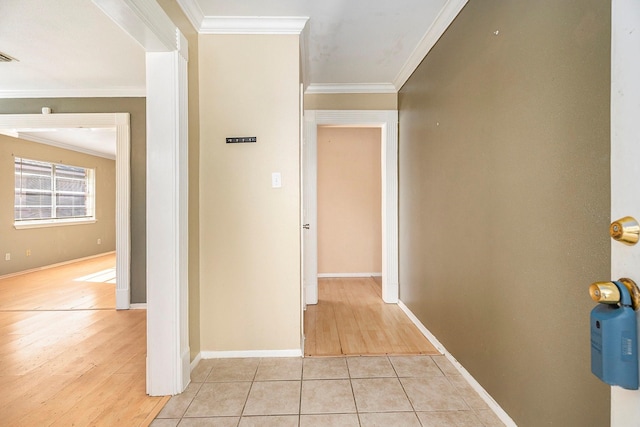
(351, 319)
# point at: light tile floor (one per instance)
(421, 391)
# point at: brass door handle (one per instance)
(625, 230)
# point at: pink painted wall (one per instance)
(349, 200)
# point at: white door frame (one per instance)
(625, 173)
(168, 354)
(119, 122)
(387, 121)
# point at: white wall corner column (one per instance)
(168, 366)
(625, 174)
(123, 212)
(387, 121)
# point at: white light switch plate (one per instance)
(276, 180)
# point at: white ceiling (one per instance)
(66, 48)
(349, 41)
(69, 48)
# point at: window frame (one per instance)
(90, 195)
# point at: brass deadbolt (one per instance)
(608, 292)
(604, 292)
(625, 230)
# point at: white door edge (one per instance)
(625, 173)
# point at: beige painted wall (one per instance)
(349, 200)
(504, 200)
(174, 11)
(351, 101)
(249, 232)
(136, 107)
(52, 245)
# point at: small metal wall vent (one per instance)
(6, 58)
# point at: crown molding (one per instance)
(449, 12)
(139, 92)
(192, 10)
(326, 88)
(253, 24)
(145, 21)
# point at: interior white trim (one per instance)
(319, 88)
(253, 24)
(493, 405)
(138, 306)
(387, 120)
(449, 12)
(339, 275)
(144, 20)
(296, 352)
(192, 10)
(168, 352)
(133, 92)
(167, 226)
(195, 361)
(25, 225)
(119, 121)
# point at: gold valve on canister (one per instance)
(625, 230)
(604, 292)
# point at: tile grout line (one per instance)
(353, 394)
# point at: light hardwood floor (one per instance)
(67, 357)
(351, 319)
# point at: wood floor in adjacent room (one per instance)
(351, 319)
(67, 357)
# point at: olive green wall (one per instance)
(351, 101)
(504, 200)
(52, 245)
(136, 107)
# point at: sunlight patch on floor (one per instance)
(104, 276)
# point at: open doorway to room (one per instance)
(350, 317)
(99, 145)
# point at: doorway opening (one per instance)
(373, 315)
(119, 123)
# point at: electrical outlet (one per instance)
(99, 241)
(28, 252)
(7, 256)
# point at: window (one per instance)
(52, 194)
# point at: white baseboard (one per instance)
(250, 353)
(493, 405)
(186, 367)
(59, 264)
(138, 306)
(329, 275)
(195, 361)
